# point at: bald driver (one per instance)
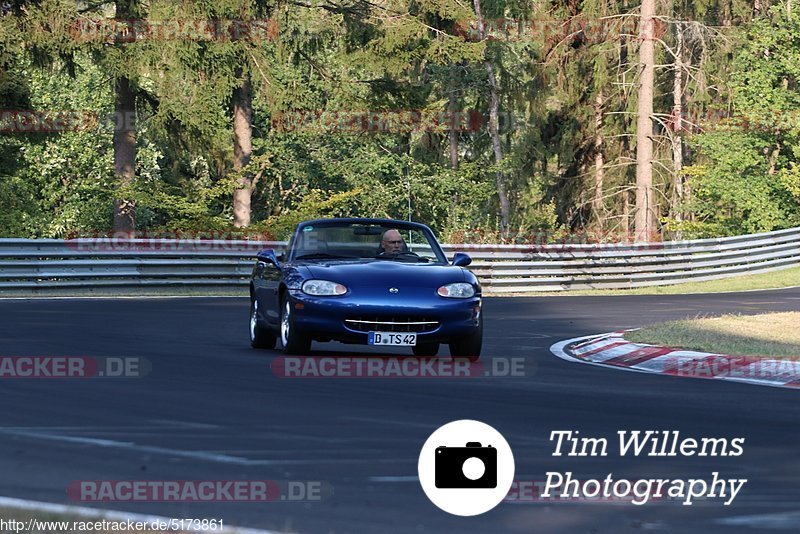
(392, 242)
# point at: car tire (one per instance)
(469, 346)
(260, 337)
(293, 342)
(425, 349)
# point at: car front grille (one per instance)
(364, 323)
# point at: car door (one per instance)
(266, 280)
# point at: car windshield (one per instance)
(347, 241)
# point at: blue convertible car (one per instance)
(366, 281)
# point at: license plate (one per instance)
(401, 339)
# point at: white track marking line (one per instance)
(185, 424)
(776, 521)
(129, 445)
(196, 455)
(111, 515)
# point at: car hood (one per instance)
(386, 272)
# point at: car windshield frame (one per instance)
(295, 254)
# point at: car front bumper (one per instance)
(325, 318)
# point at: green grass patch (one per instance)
(774, 335)
(774, 280)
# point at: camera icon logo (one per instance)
(466, 467)
(472, 466)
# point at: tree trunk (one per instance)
(687, 195)
(452, 107)
(677, 134)
(124, 138)
(645, 219)
(626, 215)
(242, 150)
(761, 7)
(773, 158)
(622, 66)
(599, 163)
(124, 152)
(494, 130)
(776, 150)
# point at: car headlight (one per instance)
(323, 288)
(459, 290)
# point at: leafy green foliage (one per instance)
(748, 179)
(350, 56)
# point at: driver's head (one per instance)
(392, 242)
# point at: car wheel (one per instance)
(260, 337)
(469, 346)
(425, 349)
(293, 342)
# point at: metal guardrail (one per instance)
(509, 269)
(106, 262)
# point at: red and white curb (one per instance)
(612, 350)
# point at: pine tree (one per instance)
(646, 206)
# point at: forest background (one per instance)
(491, 120)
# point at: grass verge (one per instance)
(774, 335)
(773, 280)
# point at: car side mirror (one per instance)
(461, 260)
(268, 256)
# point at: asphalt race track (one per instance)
(212, 409)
